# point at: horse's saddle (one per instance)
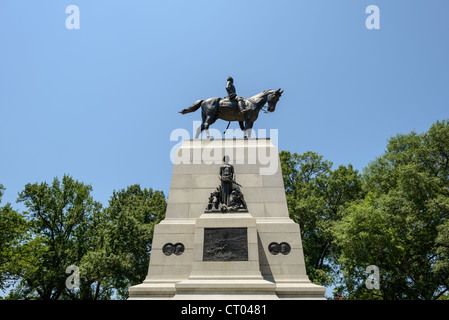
(228, 103)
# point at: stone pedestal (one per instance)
(242, 255)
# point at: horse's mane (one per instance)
(257, 96)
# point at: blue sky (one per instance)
(99, 103)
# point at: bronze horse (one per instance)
(226, 109)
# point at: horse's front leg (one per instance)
(248, 129)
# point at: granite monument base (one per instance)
(199, 254)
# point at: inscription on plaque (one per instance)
(225, 244)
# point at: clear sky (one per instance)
(100, 102)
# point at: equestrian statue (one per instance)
(234, 108)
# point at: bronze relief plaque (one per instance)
(225, 244)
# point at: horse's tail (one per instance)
(192, 108)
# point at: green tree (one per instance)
(13, 229)
(316, 197)
(125, 233)
(64, 226)
(402, 224)
(58, 217)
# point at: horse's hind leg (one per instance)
(209, 116)
(207, 121)
(201, 127)
(199, 130)
(210, 120)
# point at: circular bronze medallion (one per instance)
(168, 249)
(284, 248)
(179, 249)
(273, 248)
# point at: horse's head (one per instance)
(273, 98)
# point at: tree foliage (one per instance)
(59, 217)
(13, 228)
(402, 224)
(394, 216)
(316, 196)
(64, 226)
(125, 234)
